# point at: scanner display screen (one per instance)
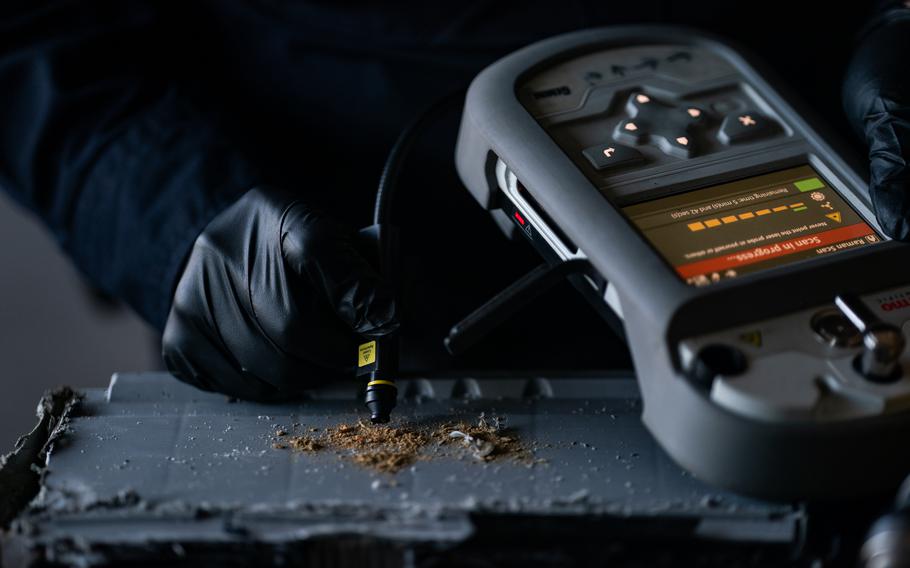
(728, 230)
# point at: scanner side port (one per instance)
(535, 219)
(554, 245)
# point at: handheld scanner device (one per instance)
(764, 309)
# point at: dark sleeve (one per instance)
(99, 138)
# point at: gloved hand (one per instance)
(877, 101)
(270, 301)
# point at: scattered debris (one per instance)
(486, 440)
(305, 444)
(391, 448)
(579, 496)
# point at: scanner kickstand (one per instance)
(504, 305)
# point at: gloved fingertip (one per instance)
(379, 320)
(892, 209)
(325, 253)
(370, 309)
(896, 228)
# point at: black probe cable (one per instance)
(377, 359)
(388, 181)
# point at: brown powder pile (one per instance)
(305, 444)
(390, 448)
(381, 447)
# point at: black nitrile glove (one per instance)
(877, 101)
(271, 301)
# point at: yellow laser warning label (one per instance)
(366, 354)
(752, 337)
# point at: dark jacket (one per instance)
(127, 126)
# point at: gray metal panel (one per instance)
(153, 460)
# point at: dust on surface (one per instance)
(390, 448)
(305, 444)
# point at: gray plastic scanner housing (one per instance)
(762, 449)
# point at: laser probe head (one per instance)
(377, 359)
(381, 397)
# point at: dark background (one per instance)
(52, 332)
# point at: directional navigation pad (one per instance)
(673, 129)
